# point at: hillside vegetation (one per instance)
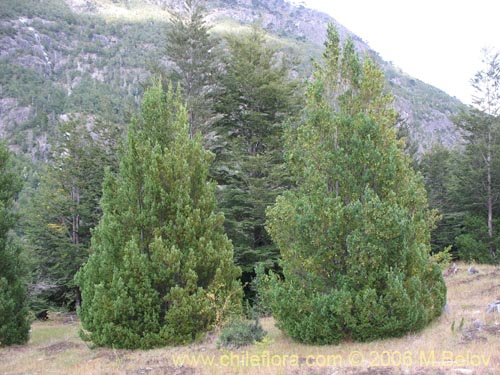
(233, 174)
(94, 56)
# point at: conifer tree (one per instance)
(65, 207)
(479, 180)
(258, 95)
(161, 269)
(441, 168)
(14, 322)
(192, 52)
(354, 235)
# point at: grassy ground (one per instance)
(450, 346)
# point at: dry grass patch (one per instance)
(465, 340)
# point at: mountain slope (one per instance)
(91, 56)
(425, 109)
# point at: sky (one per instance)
(439, 42)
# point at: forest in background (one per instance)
(242, 93)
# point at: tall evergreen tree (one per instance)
(441, 168)
(480, 180)
(161, 270)
(192, 52)
(65, 207)
(257, 96)
(354, 235)
(14, 322)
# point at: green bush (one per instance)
(473, 245)
(472, 250)
(443, 258)
(388, 288)
(240, 332)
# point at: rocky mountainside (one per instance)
(63, 57)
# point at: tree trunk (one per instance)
(75, 217)
(490, 194)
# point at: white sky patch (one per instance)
(436, 41)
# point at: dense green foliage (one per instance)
(354, 235)
(353, 231)
(257, 97)
(439, 168)
(14, 322)
(464, 183)
(77, 63)
(455, 180)
(161, 269)
(64, 208)
(240, 332)
(193, 52)
(481, 180)
(239, 112)
(98, 54)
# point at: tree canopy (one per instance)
(257, 96)
(161, 269)
(14, 320)
(354, 235)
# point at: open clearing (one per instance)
(465, 340)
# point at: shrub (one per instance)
(473, 244)
(241, 332)
(443, 258)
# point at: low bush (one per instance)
(241, 332)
